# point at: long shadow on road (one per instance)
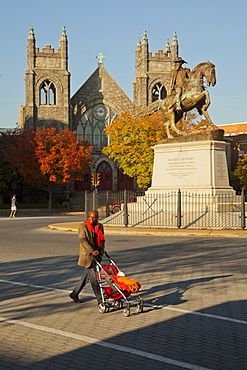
(187, 341)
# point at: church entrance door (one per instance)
(105, 171)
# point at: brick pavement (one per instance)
(195, 315)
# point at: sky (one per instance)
(213, 30)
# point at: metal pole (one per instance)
(242, 209)
(86, 204)
(125, 208)
(179, 209)
(94, 199)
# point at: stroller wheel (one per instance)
(103, 307)
(118, 304)
(139, 308)
(126, 312)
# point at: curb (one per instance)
(73, 227)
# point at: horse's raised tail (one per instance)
(153, 107)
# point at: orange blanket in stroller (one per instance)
(125, 283)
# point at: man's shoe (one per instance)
(75, 298)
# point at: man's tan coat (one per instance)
(87, 245)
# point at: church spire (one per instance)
(145, 44)
(31, 49)
(174, 46)
(31, 33)
(63, 45)
(144, 38)
(63, 34)
(139, 44)
(167, 49)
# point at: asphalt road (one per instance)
(195, 313)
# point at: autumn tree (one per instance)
(9, 175)
(131, 144)
(61, 157)
(21, 154)
(241, 171)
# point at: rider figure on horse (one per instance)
(179, 77)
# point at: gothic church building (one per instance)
(96, 104)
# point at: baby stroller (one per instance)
(113, 292)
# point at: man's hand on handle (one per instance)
(95, 253)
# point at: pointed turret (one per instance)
(167, 49)
(174, 46)
(145, 40)
(138, 45)
(138, 51)
(145, 52)
(31, 49)
(63, 45)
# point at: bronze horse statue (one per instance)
(194, 95)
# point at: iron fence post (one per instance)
(107, 204)
(86, 204)
(242, 209)
(125, 209)
(179, 209)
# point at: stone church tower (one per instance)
(153, 71)
(47, 82)
(97, 102)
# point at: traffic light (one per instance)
(92, 179)
(95, 179)
(98, 179)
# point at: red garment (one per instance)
(96, 229)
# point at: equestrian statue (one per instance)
(187, 91)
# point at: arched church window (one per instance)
(104, 166)
(96, 137)
(93, 123)
(88, 133)
(158, 92)
(47, 93)
(79, 132)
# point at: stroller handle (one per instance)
(107, 255)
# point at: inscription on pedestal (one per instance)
(220, 167)
(181, 167)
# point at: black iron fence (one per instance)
(169, 210)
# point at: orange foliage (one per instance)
(62, 158)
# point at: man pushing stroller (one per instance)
(92, 245)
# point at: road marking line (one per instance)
(40, 287)
(105, 344)
(146, 304)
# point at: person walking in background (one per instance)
(13, 206)
(92, 244)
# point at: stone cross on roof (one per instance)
(100, 57)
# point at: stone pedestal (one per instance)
(194, 163)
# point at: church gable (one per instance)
(101, 86)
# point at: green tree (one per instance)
(131, 144)
(241, 171)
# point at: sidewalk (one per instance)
(73, 227)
